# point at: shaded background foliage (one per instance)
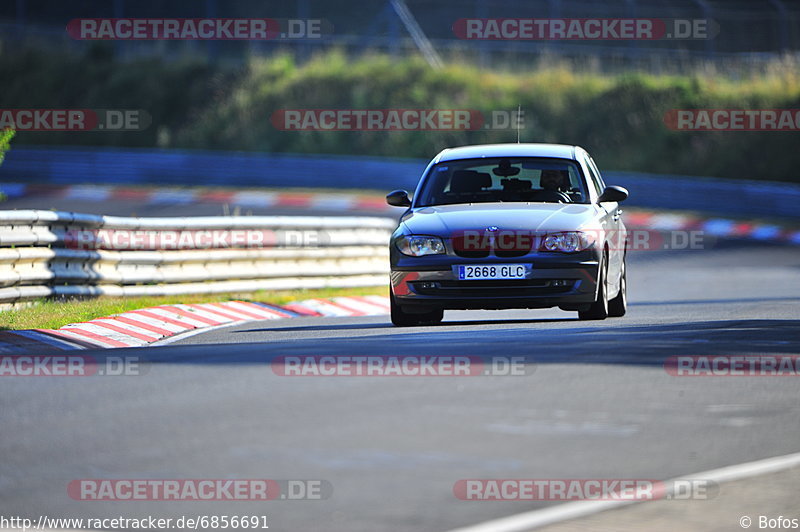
(619, 118)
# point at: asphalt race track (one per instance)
(597, 403)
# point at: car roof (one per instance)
(559, 151)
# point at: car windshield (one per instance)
(503, 179)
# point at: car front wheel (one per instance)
(619, 305)
(599, 309)
(407, 319)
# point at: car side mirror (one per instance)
(398, 198)
(613, 194)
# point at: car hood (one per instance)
(444, 220)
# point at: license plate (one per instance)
(469, 272)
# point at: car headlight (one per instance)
(567, 242)
(418, 246)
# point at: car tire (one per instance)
(619, 305)
(405, 319)
(599, 309)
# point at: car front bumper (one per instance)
(555, 282)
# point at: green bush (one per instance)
(620, 119)
(172, 92)
(5, 142)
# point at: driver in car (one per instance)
(553, 187)
(552, 180)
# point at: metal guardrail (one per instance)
(46, 254)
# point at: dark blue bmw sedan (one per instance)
(509, 226)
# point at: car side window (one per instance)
(593, 176)
(600, 181)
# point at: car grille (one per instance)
(507, 253)
(485, 252)
(472, 253)
(493, 288)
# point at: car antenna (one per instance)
(519, 113)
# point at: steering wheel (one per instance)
(553, 196)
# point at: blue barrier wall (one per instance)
(185, 167)
(181, 167)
